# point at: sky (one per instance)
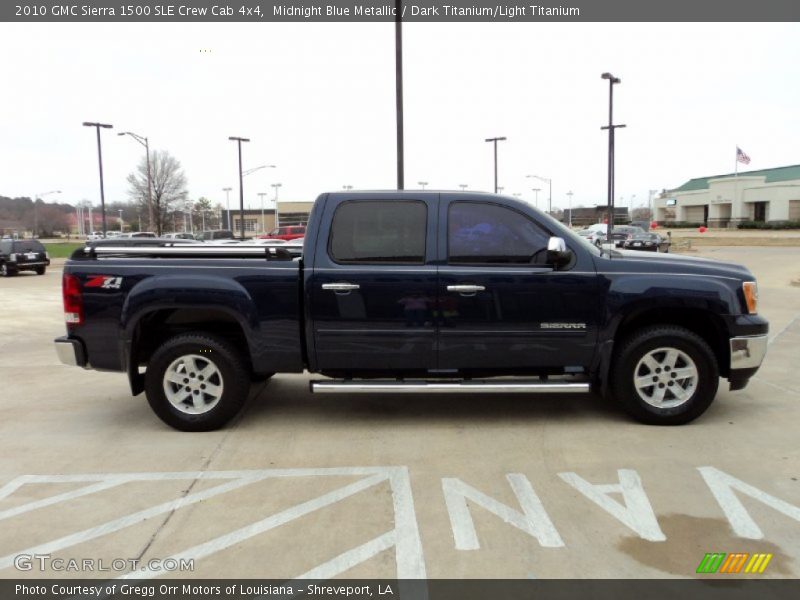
(318, 101)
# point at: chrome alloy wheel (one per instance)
(193, 384)
(665, 377)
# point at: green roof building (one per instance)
(726, 200)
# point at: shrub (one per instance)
(769, 225)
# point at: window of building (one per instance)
(369, 231)
(480, 232)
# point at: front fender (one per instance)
(631, 295)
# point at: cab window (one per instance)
(371, 231)
(485, 233)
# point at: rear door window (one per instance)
(373, 231)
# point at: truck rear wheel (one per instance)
(665, 375)
(196, 382)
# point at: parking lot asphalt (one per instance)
(388, 485)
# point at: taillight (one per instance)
(73, 301)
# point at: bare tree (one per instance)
(169, 186)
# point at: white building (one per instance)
(726, 200)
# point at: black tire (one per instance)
(40, 270)
(690, 348)
(231, 369)
(6, 271)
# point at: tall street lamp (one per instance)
(536, 196)
(261, 196)
(494, 141)
(347, 187)
(227, 191)
(569, 193)
(398, 79)
(36, 213)
(121, 223)
(144, 142)
(277, 186)
(97, 126)
(611, 128)
(549, 182)
(422, 184)
(463, 186)
(239, 141)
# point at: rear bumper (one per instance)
(70, 352)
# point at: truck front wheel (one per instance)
(196, 382)
(665, 375)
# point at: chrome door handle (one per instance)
(340, 287)
(466, 289)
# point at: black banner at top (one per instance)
(423, 11)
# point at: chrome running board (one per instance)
(335, 386)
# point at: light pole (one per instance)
(500, 189)
(651, 195)
(345, 187)
(261, 195)
(188, 208)
(239, 141)
(36, 213)
(611, 128)
(121, 223)
(97, 126)
(569, 193)
(398, 79)
(630, 216)
(494, 141)
(227, 191)
(549, 182)
(536, 196)
(150, 215)
(422, 184)
(463, 186)
(277, 186)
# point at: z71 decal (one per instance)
(105, 282)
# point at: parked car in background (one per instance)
(22, 255)
(178, 236)
(215, 234)
(95, 235)
(290, 232)
(651, 242)
(621, 233)
(592, 235)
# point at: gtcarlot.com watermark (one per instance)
(46, 562)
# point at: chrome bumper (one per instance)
(748, 352)
(70, 352)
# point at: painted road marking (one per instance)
(404, 537)
(636, 513)
(723, 485)
(533, 519)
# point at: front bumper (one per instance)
(70, 352)
(748, 352)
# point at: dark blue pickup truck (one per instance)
(413, 292)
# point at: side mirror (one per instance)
(557, 252)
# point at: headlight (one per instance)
(750, 289)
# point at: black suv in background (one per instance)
(22, 255)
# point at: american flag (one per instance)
(741, 156)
